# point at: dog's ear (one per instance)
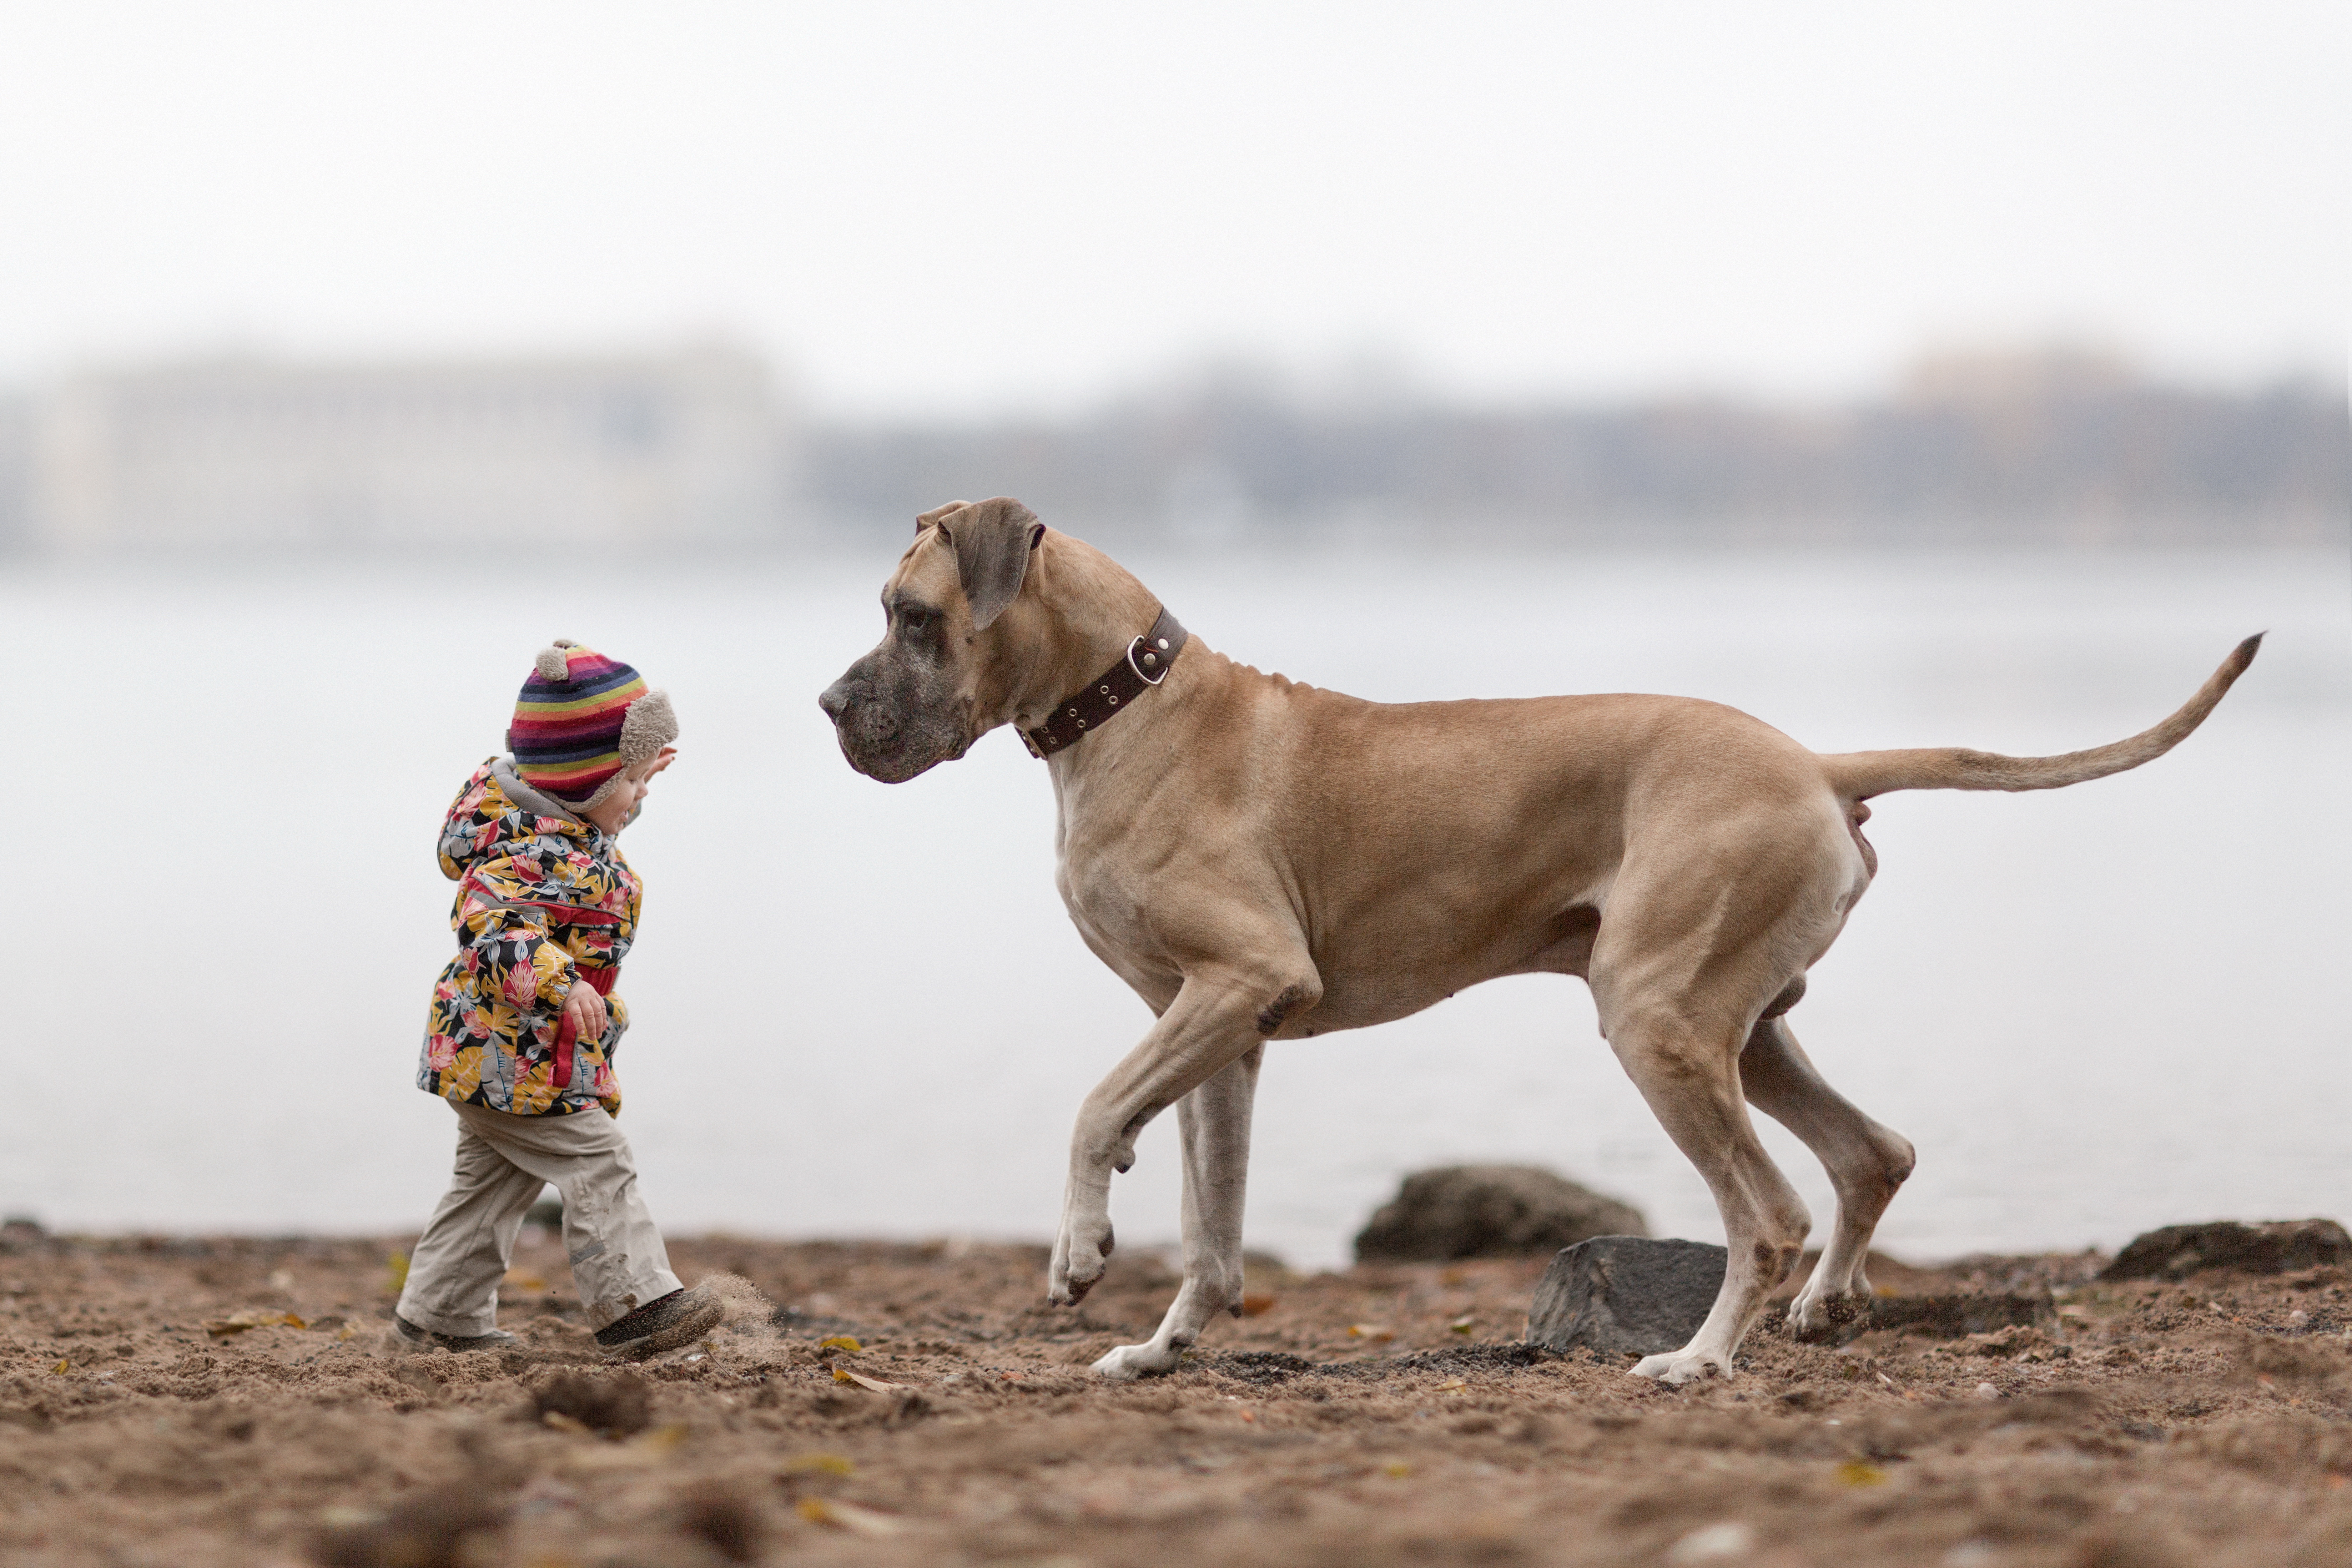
(992, 539)
(932, 518)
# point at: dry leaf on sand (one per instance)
(848, 1516)
(843, 1374)
(239, 1322)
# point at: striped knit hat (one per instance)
(582, 718)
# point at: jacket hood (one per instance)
(510, 784)
(499, 816)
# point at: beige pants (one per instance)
(618, 1262)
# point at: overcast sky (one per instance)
(975, 206)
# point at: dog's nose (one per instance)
(834, 700)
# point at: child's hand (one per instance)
(586, 1011)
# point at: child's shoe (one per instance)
(663, 1324)
(427, 1340)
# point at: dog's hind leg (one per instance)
(1686, 1070)
(1215, 1124)
(1866, 1162)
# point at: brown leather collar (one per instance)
(1087, 709)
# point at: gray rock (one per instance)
(2273, 1246)
(1625, 1295)
(1489, 1211)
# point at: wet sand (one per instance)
(158, 1406)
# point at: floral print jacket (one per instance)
(544, 901)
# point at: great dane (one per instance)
(1265, 860)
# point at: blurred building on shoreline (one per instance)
(696, 448)
(690, 445)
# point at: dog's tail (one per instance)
(1858, 775)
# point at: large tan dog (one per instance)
(1261, 860)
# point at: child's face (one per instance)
(615, 808)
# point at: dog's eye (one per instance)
(914, 621)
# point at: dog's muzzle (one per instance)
(879, 738)
(866, 729)
(838, 699)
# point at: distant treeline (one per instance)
(2058, 451)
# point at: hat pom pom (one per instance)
(552, 664)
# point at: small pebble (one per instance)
(1987, 1391)
(1713, 1542)
(2298, 1318)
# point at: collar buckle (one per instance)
(1140, 674)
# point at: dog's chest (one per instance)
(1107, 901)
(1118, 930)
(1107, 886)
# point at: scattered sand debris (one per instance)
(2205, 1420)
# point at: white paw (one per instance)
(1818, 1313)
(1079, 1259)
(1127, 1362)
(1677, 1367)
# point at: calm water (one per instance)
(861, 1010)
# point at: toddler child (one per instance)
(524, 1023)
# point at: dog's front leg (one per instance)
(1215, 1019)
(1215, 1124)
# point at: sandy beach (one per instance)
(237, 1401)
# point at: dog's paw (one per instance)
(1823, 1314)
(1065, 1286)
(1678, 1367)
(1127, 1362)
(1079, 1259)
